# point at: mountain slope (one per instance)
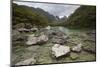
(31, 16)
(83, 17)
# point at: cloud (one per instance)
(54, 9)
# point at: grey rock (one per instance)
(35, 40)
(77, 48)
(34, 29)
(31, 40)
(17, 36)
(23, 30)
(89, 46)
(27, 61)
(60, 50)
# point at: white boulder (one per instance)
(34, 40)
(60, 50)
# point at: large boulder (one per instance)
(27, 61)
(60, 50)
(36, 39)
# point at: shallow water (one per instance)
(42, 53)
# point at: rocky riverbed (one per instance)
(52, 45)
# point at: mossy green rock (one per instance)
(44, 55)
(89, 46)
(73, 55)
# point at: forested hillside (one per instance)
(83, 17)
(31, 16)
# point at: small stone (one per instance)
(31, 40)
(48, 27)
(34, 29)
(73, 55)
(77, 48)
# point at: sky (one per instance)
(54, 9)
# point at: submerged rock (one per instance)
(73, 55)
(58, 37)
(27, 61)
(58, 40)
(77, 48)
(33, 48)
(60, 50)
(89, 46)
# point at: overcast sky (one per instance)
(54, 9)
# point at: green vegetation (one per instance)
(83, 17)
(28, 16)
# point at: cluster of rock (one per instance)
(47, 34)
(54, 36)
(60, 50)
